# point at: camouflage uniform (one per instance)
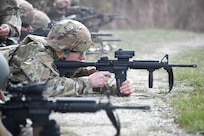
(26, 12)
(9, 15)
(33, 62)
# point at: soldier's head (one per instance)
(26, 12)
(4, 72)
(41, 20)
(74, 2)
(61, 6)
(69, 37)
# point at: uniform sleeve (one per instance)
(15, 25)
(9, 14)
(36, 71)
(63, 86)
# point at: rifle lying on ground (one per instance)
(27, 101)
(120, 66)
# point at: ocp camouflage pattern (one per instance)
(9, 14)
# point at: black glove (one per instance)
(12, 126)
(51, 128)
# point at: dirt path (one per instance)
(157, 121)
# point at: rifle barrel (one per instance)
(183, 65)
(89, 105)
(93, 34)
(131, 107)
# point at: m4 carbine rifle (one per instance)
(27, 102)
(96, 37)
(91, 18)
(96, 21)
(120, 66)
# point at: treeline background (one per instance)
(144, 14)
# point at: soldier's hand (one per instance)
(27, 29)
(4, 30)
(127, 87)
(99, 78)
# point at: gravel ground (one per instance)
(156, 121)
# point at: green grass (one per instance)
(190, 106)
(153, 35)
(194, 77)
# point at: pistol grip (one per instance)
(119, 81)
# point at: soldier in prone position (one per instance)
(67, 40)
